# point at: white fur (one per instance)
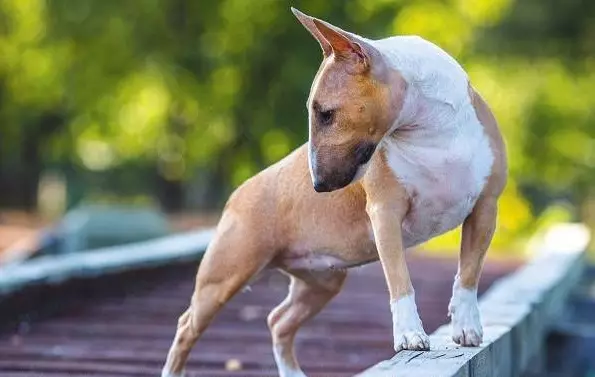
(408, 332)
(464, 312)
(166, 373)
(436, 75)
(437, 147)
(284, 369)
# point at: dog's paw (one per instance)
(467, 336)
(167, 373)
(284, 368)
(285, 371)
(464, 313)
(411, 340)
(293, 373)
(408, 331)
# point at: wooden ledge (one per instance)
(58, 268)
(516, 314)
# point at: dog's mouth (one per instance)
(348, 173)
(329, 185)
(364, 153)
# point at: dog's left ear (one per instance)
(346, 46)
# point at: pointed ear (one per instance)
(308, 23)
(345, 45)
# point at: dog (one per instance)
(401, 149)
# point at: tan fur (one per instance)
(308, 293)
(479, 227)
(357, 101)
(387, 205)
(277, 217)
(276, 212)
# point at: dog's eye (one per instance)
(327, 117)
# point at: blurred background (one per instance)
(148, 113)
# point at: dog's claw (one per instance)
(467, 337)
(412, 340)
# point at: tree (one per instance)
(176, 92)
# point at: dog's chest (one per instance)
(443, 183)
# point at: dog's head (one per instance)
(352, 104)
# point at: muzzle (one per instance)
(332, 170)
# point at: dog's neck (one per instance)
(437, 121)
(436, 86)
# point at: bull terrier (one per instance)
(401, 149)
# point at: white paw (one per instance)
(464, 313)
(284, 369)
(408, 331)
(292, 373)
(167, 373)
(411, 340)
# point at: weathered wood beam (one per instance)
(516, 313)
(58, 268)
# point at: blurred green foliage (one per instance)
(206, 93)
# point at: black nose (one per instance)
(321, 186)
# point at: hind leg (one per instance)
(308, 294)
(233, 257)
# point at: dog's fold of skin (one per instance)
(401, 149)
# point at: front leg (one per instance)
(478, 230)
(387, 204)
(408, 332)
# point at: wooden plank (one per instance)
(516, 314)
(143, 309)
(58, 268)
